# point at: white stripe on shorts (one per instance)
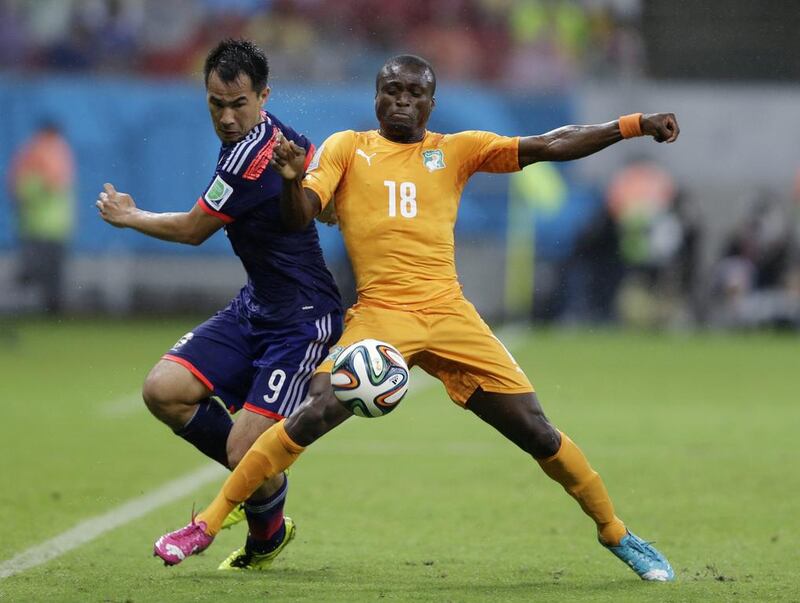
(288, 391)
(306, 368)
(315, 352)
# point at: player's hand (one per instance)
(288, 159)
(663, 127)
(114, 207)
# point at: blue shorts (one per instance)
(263, 368)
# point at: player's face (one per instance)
(403, 102)
(234, 106)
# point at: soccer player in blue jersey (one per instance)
(259, 353)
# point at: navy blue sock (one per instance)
(208, 430)
(265, 520)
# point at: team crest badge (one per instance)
(433, 160)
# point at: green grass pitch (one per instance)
(696, 437)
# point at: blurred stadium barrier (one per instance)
(154, 140)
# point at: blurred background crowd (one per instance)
(518, 44)
(705, 233)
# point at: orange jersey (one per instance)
(397, 204)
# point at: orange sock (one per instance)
(270, 454)
(570, 468)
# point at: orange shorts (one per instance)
(449, 341)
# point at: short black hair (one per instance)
(407, 60)
(232, 56)
(48, 124)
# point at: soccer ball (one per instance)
(369, 378)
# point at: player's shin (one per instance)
(269, 455)
(208, 430)
(570, 468)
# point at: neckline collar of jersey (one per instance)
(402, 144)
(264, 119)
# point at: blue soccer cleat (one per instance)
(643, 558)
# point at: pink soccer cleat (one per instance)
(176, 546)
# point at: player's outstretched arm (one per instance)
(574, 142)
(192, 227)
(299, 205)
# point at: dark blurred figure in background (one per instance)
(793, 279)
(593, 272)
(752, 282)
(659, 238)
(42, 179)
(683, 272)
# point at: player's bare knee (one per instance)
(171, 392)
(543, 439)
(153, 394)
(165, 398)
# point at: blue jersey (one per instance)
(287, 280)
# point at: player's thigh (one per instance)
(406, 331)
(287, 364)
(465, 355)
(169, 382)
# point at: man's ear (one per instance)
(264, 95)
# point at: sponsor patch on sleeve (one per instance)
(218, 193)
(183, 341)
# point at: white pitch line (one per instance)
(123, 406)
(90, 529)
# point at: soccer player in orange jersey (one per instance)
(396, 193)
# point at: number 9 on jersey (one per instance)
(369, 378)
